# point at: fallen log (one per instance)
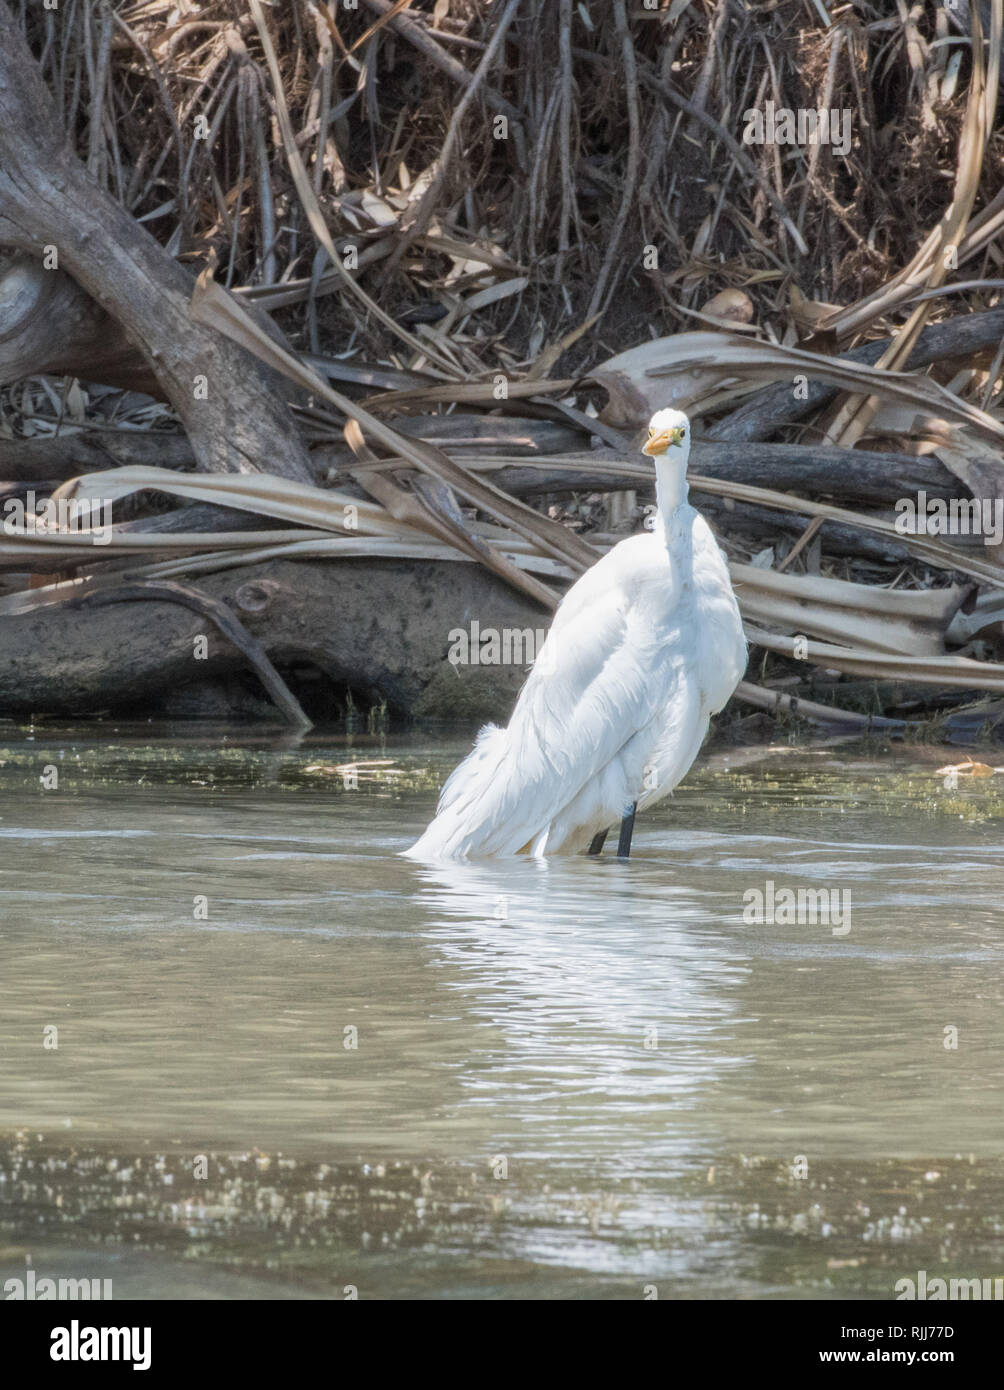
(217, 612)
(65, 456)
(378, 628)
(857, 476)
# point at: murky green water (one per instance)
(290, 1062)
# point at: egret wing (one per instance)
(604, 674)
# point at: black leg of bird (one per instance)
(597, 842)
(627, 830)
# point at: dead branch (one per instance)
(235, 419)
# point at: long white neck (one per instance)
(671, 482)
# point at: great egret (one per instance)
(643, 649)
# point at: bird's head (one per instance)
(668, 435)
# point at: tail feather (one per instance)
(469, 801)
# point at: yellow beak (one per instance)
(659, 443)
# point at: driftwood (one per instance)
(223, 618)
(62, 456)
(380, 629)
(47, 199)
(847, 475)
(860, 476)
(48, 324)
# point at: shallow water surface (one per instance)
(571, 1078)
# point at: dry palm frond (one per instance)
(213, 306)
(910, 622)
(952, 672)
(708, 360)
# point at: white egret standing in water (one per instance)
(643, 649)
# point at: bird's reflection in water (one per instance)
(602, 996)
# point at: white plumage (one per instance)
(643, 649)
